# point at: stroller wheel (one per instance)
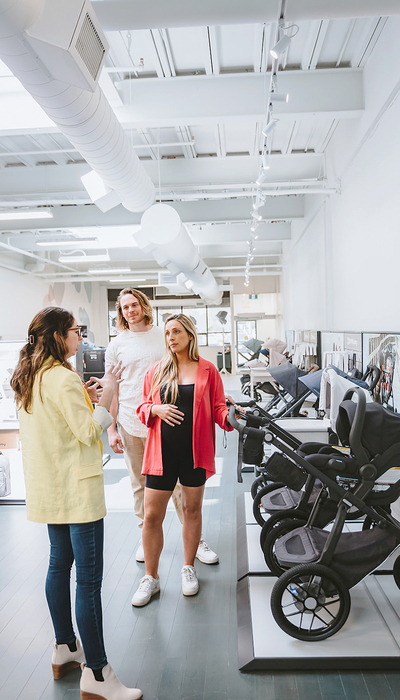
(258, 511)
(269, 543)
(396, 571)
(259, 483)
(278, 519)
(310, 602)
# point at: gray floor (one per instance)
(175, 648)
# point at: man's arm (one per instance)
(114, 439)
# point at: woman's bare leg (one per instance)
(192, 499)
(155, 505)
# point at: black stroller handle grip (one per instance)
(232, 419)
(356, 447)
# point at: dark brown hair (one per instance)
(46, 338)
(121, 322)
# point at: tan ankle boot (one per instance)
(109, 689)
(63, 660)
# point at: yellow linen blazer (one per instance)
(61, 451)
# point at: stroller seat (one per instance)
(280, 499)
(356, 553)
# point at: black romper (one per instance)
(177, 447)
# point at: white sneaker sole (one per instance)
(141, 605)
(207, 561)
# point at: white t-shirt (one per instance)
(137, 352)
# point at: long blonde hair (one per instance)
(166, 372)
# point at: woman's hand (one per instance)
(168, 413)
(94, 389)
(109, 383)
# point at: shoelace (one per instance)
(204, 545)
(189, 574)
(145, 584)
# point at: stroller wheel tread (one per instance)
(257, 505)
(268, 545)
(276, 520)
(310, 602)
(259, 483)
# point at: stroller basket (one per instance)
(356, 555)
(253, 449)
(282, 469)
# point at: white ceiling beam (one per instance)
(292, 137)
(345, 41)
(148, 141)
(319, 43)
(135, 14)
(239, 97)
(221, 140)
(275, 209)
(185, 137)
(160, 56)
(311, 40)
(372, 31)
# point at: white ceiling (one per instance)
(192, 99)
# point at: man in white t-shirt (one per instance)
(138, 346)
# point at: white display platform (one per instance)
(369, 639)
(306, 429)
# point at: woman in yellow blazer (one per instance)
(62, 460)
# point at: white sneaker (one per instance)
(63, 660)
(108, 689)
(190, 584)
(148, 587)
(205, 554)
(139, 556)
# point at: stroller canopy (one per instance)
(288, 376)
(313, 382)
(381, 428)
(275, 349)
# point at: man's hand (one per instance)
(115, 442)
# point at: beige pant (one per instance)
(133, 452)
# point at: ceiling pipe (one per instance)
(164, 236)
(84, 116)
(117, 15)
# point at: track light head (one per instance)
(265, 161)
(279, 97)
(261, 178)
(268, 128)
(281, 46)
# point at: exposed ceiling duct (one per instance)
(56, 50)
(116, 15)
(164, 236)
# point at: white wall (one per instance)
(342, 266)
(21, 297)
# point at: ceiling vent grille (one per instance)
(90, 46)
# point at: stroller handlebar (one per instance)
(356, 447)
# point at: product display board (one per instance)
(303, 347)
(343, 350)
(383, 351)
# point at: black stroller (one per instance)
(311, 600)
(277, 500)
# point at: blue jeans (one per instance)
(83, 543)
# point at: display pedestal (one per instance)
(369, 639)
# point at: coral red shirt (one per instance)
(209, 407)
